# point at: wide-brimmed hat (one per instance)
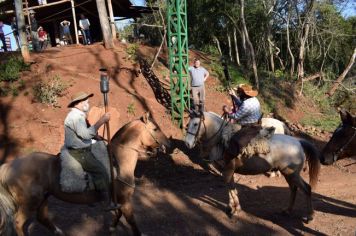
(247, 89)
(80, 96)
(32, 12)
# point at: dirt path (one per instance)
(174, 196)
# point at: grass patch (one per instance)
(49, 90)
(132, 51)
(131, 109)
(10, 70)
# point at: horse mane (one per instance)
(7, 205)
(124, 128)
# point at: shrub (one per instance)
(132, 51)
(48, 91)
(131, 109)
(10, 71)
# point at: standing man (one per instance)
(84, 25)
(2, 36)
(15, 31)
(198, 75)
(34, 33)
(78, 139)
(66, 31)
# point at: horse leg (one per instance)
(115, 220)
(293, 192)
(228, 174)
(21, 221)
(127, 211)
(307, 191)
(42, 217)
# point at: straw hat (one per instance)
(78, 97)
(247, 89)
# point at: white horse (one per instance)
(286, 154)
(211, 147)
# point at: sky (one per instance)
(347, 11)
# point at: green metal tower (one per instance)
(178, 59)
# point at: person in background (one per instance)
(34, 31)
(198, 75)
(42, 38)
(15, 31)
(66, 31)
(84, 25)
(2, 36)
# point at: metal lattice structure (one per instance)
(178, 59)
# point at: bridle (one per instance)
(337, 153)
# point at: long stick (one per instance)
(113, 195)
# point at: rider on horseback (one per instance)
(247, 114)
(79, 136)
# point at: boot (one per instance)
(106, 202)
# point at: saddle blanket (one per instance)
(72, 177)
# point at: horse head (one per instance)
(193, 130)
(343, 141)
(151, 135)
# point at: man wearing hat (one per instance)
(78, 139)
(247, 115)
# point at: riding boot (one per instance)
(106, 202)
(202, 107)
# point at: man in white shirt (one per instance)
(84, 25)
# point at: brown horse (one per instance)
(26, 183)
(343, 141)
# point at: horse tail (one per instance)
(7, 206)
(313, 161)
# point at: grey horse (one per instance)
(286, 154)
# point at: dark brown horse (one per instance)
(343, 141)
(27, 182)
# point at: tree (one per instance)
(104, 23)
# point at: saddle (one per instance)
(73, 178)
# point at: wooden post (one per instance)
(104, 23)
(74, 22)
(112, 22)
(28, 15)
(22, 30)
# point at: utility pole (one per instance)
(104, 23)
(22, 30)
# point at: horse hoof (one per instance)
(307, 219)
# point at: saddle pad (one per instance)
(72, 177)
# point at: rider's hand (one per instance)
(106, 117)
(232, 92)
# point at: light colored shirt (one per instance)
(249, 112)
(197, 75)
(76, 133)
(84, 24)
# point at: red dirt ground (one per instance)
(175, 194)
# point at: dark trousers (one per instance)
(2, 38)
(87, 36)
(68, 37)
(91, 165)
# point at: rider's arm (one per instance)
(241, 113)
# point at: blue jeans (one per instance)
(87, 36)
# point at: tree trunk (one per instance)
(252, 52)
(303, 38)
(217, 44)
(22, 30)
(288, 46)
(342, 76)
(270, 49)
(104, 23)
(230, 49)
(236, 48)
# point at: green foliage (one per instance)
(48, 91)
(132, 51)
(235, 75)
(328, 122)
(10, 71)
(131, 109)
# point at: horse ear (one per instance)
(145, 118)
(346, 117)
